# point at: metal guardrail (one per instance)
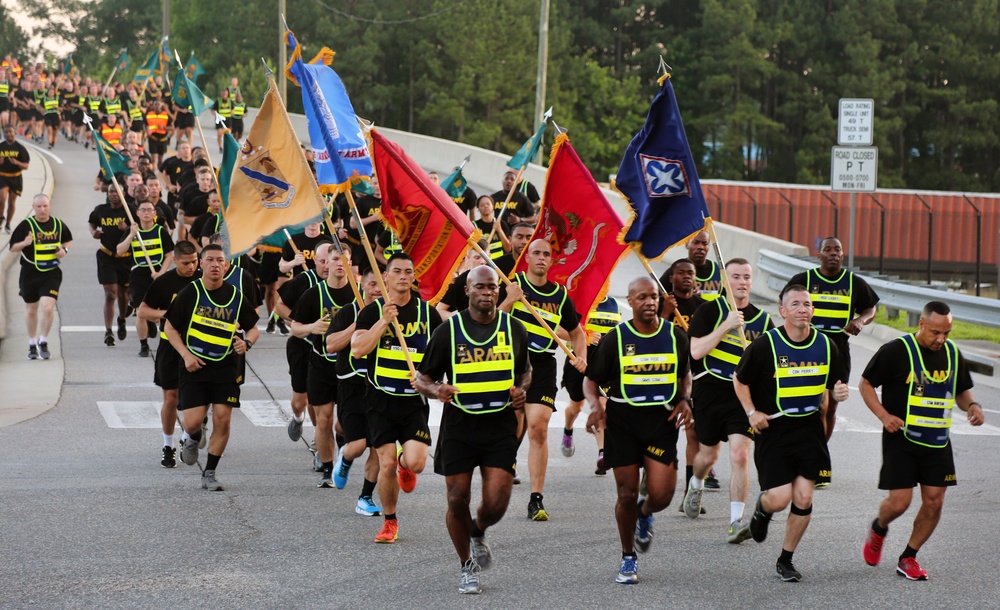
(895, 295)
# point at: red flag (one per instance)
(430, 227)
(582, 227)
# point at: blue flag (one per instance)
(659, 179)
(339, 147)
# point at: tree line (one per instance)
(757, 80)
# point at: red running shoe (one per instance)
(909, 568)
(407, 478)
(389, 532)
(872, 549)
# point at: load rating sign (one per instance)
(854, 169)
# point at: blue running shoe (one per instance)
(643, 533)
(367, 507)
(628, 574)
(340, 470)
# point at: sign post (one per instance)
(854, 163)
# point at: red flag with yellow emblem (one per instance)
(429, 226)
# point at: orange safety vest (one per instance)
(112, 134)
(157, 122)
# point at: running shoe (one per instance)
(32, 352)
(643, 531)
(43, 350)
(872, 549)
(407, 478)
(341, 470)
(6, 229)
(389, 532)
(367, 507)
(326, 482)
(317, 461)
(470, 578)
(711, 482)
(909, 568)
(144, 351)
(189, 451)
(281, 327)
(568, 448)
(517, 479)
(481, 552)
(109, 338)
(692, 502)
(680, 506)
(536, 512)
(122, 331)
(270, 326)
(759, 522)
(628, 573)
(203, 441)
(209, 482)
(169, 459)
(787, 571)
(294, 430)
(600, 470)
(739, 531)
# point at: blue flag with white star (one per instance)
(660, 181)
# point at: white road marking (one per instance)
(42, 150)
(269, 413)
(121, 414)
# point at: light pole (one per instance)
(543, 62)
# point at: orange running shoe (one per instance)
(407, 478)
(389, 532)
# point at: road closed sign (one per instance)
(854, 169)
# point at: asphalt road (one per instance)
(88, 518)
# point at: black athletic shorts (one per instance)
(905, 464)
(543, 380)
(718, 414)
(35, 284)
(156, 147)
(4, 104)
(14, 183)
(137, 126)
(572, 380)
(139, 282)
(52, 119)
(297, 353)
(168, 366)
(113, 270)
(352, 410)
(396, 418)
(184, 120)
(466, 441)
(203, 393)
(269, 273)
(235, 125)
(791, 447)
(321, 381)
(635, 433)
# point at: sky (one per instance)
(33, 28)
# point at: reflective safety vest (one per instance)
(239, 109)
(931, 398)
(213, 325)
(234, 277)
(134, 111)
(113, 135)
(390, 374)
(358, 366)
(4, 88)
(482, 371)
(94, 103)
(539, 341)
(393, 247)
(607, 315)
(51, 104)
(112, 106)
(800, 372)
(225, 108)
(328, 307)
(157, 122)
(152, 239)
(648, 366)
(46, 244)
(722, 360)
(831, 300)
(710, 288)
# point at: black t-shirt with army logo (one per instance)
(107, 219)
(307, 246)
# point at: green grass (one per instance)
(959, 330)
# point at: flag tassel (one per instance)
(381, 283)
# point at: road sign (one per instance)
(854, 122)
(854, 168)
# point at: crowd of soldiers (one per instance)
(366, 352)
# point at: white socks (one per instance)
(736, 511)
(696, 483)
(168, 440)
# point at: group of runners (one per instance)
(366, 352)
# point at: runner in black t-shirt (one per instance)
(109, 223)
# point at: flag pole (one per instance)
(510, 195)
(197, 118)
(295, 249)
(524, 301)
(649, 269)
(381, 282)
(340, 252)
(115, 71)
(131, 219)
(730, 299)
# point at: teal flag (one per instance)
(164, 59)
(455, 184)
(529, 149)
(146, 71)
(193, 68)
(70, 68)
(123, 63)
(230, 151)
(112, 162)
(187, 95)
